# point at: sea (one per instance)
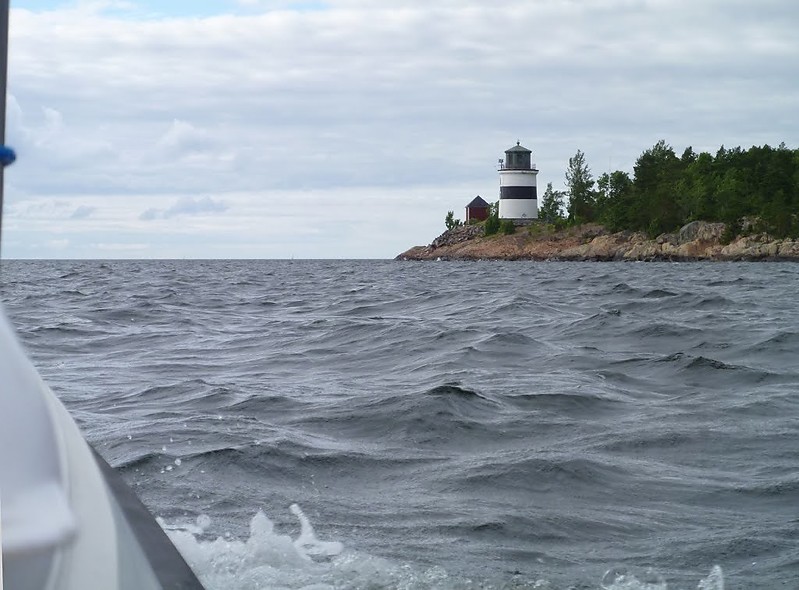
(378, 424)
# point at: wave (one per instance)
(782, 341)
(779, 488)
(699, 366)
(665, 330)
(564, 403)
(659, 294)
(477, 417)
(452, 389)
(541, 472)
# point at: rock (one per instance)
(750, 248)
(696, 250)
(456, 235)
(698, 240)
(416, 253)
(700, 230)
(647, 250)
(788, 249)
(672, 239)
(605, 247)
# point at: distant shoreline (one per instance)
(696, 241)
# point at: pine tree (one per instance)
(580, 185)
(450, 222)
(551, 205)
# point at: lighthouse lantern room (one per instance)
(518, 198)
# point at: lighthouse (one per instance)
(518, 198)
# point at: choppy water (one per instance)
(442, 425)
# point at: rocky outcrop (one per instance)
(700, 231)
(697, 240)
(457, 235)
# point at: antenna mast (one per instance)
(6, 155)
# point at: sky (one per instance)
(349, 128)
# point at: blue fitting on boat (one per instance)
(7, 155)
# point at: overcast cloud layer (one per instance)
(348, 128)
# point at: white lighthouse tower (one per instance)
(518, 197)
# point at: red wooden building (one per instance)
(477, 209)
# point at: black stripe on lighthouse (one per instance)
(518, 192)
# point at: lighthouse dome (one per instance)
(518, 148)
(518, 158)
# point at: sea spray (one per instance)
(622, 579)
(307, 543)
(267, 559)
(270, 560)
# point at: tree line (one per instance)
(665, 191)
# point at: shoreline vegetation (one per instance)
(736, 205)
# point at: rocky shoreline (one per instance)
(695, 241)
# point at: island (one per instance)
(698, 240)
(739, 204)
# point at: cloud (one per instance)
(185, 206)
(293, 5)
(150, 214)
(191, 206)
(82, 212)
(183, 139)
(293, 98)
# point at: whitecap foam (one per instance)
(621, 579)
(271, 560)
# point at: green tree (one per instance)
(507, 227)
(688, 156)
(614, 200)
(696, 195)
(492, 225)
(450, 220)
(580, 184)
(657, 172)
(551, 205)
